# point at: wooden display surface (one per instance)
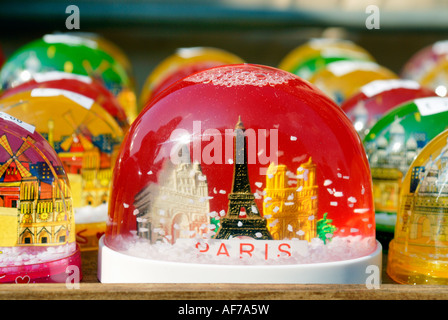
(91, 289)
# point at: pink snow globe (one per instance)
(37, 226)
(240, 174)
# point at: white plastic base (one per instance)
(115, 267)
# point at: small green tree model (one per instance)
(325, 227)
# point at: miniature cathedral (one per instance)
(291, 211)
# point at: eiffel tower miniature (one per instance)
(241, 199)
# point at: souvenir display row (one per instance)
(222, 170)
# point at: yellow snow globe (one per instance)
(418, 254)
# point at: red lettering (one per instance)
(203, 250)
(249, 251)
(266, 251)
(280, 247)
(224, 250)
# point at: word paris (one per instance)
(249, 145)
(255, 250)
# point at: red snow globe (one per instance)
(376, 98)
(37, 226)
(428, 66)
(240, 174)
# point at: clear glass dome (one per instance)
(308, 58)
(418, 253)
(340, 80)
(393, 143)
(71, 54)
(182, 63)
(242, 165)
(37, 226)
(378, 97)
(86, 139)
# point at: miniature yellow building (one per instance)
(291, 210)
(35, 202)
(423, 213)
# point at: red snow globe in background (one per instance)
(376, 98)
(182, 63)
(37, 226)
(240, 174)
(83, 85)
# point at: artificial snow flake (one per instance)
(327, 182)
(273, 223)
(352, 199)
(259, 184)
(240, 224)
(293, 138)
(135, 212)
(125, 205)
(334, 203)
